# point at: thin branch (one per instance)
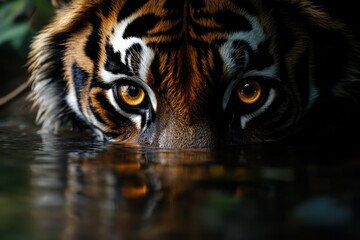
(14, 94)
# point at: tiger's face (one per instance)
(184, 74)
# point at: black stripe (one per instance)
(58, 48)
(232, 21)
(79, 77)
(166, 46)
(197, 4)
(174, 9)
(92, 47)
(261, 58)
(217, 71)
(141, 26)
(246, 5)
(113, 62)
(129, 8)
(107, 8)
(201, 44)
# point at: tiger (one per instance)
(191, 73)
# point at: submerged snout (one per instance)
(175, 133)
(199, 135)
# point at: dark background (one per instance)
(20, 20)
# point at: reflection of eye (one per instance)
(249, 92)
(131, 94)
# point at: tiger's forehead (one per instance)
(183, 45)
(183, 28)
(163, 21)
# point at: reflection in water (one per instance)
(85, 190)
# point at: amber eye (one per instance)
(249, 92)
(131, 95)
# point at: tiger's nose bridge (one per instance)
(199, 135)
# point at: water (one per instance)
(68, 187)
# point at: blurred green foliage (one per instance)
(20, 20)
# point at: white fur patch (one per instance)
(72, 101)
(121, 44)
(253, 38)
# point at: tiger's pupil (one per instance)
(131, 95)
(249, 92)
(133, 91)
(248, 89)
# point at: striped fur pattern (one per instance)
(188, 73)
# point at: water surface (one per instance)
(69, 187)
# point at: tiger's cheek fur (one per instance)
(78, 70)
(86, 95)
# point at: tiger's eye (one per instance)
(131, 95)
(249, 92)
